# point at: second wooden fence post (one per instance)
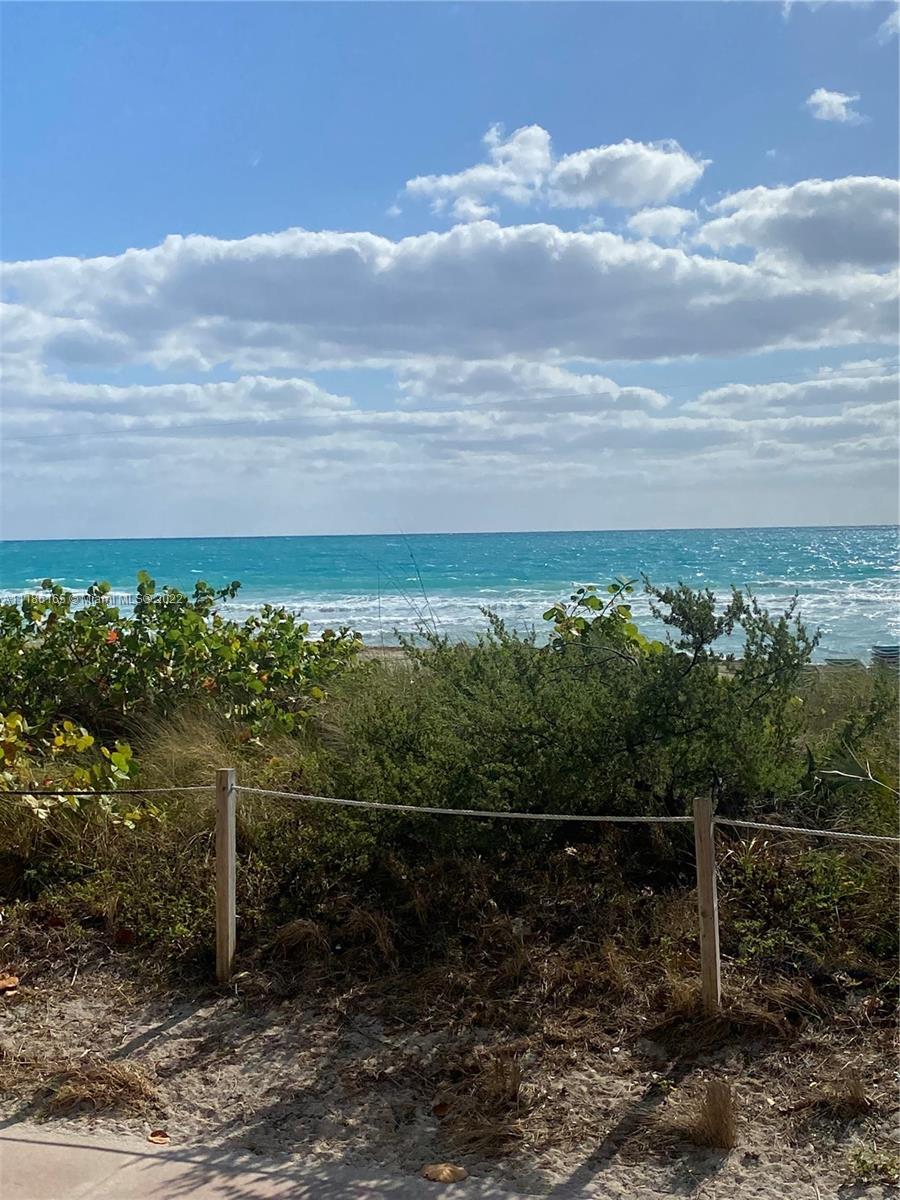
(226, 872)
(707, 904)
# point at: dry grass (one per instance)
(778, 1008)
(301, 935)
(848, 1094)
(486, 1104)
(846, 1097)
(185, 748)
(714, 1121)
(99, 1086)
(373, 928)
(617, 969)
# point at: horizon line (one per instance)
(451, 533)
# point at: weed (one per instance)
(714, 1122)
(489, 1099)
(873, 1164)
(99, 1086)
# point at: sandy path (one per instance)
(39, 1164)
(319, 1095)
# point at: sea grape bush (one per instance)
(588, 617)
(65, 760)
(108, 669)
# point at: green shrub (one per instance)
(601, 720)
(106, 670)
(792, 904)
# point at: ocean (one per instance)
(847, 578)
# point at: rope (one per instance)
(200, 787)
(824, 833)
(487, 814)
(468, 812)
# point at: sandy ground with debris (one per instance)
(600, 1116)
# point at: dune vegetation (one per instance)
(598, 718)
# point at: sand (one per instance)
(282, 1082)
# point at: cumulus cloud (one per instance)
(626, 174)
(497, 344)
(516, 169)
(818, 224)
(482, 291)
(664, 223)
(483, 439)
(861, 366)
(834, 106)
(491, 412)
(521, 168)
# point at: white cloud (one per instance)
(665, 223)
(487, 444)
(521, 385)
(521, 168)
(627, 174)
(889, 27)
(509, 412)
(300, 300)
(817, 224)
(834, 106)
(862, 366)
(516, 170)
(867, 390)
(498, 341)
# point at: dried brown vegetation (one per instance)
(99, 1086)
(65, 1086)
(713, 1123)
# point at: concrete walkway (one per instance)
(37, 1163)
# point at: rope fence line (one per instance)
(490, 814)
(487, 814)
(155, 791)
(596, 819)
(703, 820)
(836, 834)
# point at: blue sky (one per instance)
(654, 237)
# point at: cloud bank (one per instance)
(460, 373)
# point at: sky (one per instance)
(359, 268)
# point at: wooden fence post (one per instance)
(707, 904)
(226, 871)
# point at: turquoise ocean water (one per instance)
(848, 579)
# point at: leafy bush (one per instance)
(105, 669)
(790, 903)
(601, 720)
(68, 759)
